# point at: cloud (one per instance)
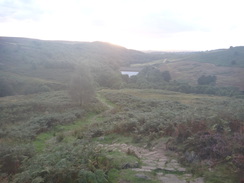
(138, 24)
(19, 10)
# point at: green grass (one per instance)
(148, 115)
(89, 119)
(220, 174)
(120, 159)
(149, 63)
(40, 141)
(115, 138)
(143, 114)
(156, 94)
(113, 175)
(106, 102)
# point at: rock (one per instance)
(198, 180)
(173, 161)
(181, 169)
(156, 162)
(173, 165)
(101, 138)
(147, 168)
(142, 176)
(170, 178)
(130, 165)
(170, 169)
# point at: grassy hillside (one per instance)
(189, 72)
(56, 61)
(119, 135)
(32, 51)
(12, 84)
(45, 62)
(50, 139)
(232, 57)
(226, 64)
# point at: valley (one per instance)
(68, 115)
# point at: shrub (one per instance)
(77, 162)
(60, 137)
(11, 157)
(125, 127)
(206, 80)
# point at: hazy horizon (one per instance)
(154, 25)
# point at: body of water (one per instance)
(129, 73)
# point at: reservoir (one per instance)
(129, 73)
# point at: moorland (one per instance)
(68, 115)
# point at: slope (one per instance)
(57, 61)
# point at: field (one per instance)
(187, 71)
(126, 135)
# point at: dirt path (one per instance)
(155, 161)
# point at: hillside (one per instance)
(232, 57)
(226, 64)
(31, 60)
(23, 50)
(30, 65)
(72, 116)
(190, 71)
(127, 135)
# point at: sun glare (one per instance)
(141, 25)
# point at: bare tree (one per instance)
(81, 86)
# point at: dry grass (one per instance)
(169, 95)
(190, 71)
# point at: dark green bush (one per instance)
(77, 162)
(12, 156)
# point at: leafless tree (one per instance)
(81, 86)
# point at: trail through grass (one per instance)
(41, 139)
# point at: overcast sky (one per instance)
(134, 24)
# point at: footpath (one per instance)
(155, 161)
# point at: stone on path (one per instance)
(198, 180)
(170, 178)
(142, 176)
(156, 160)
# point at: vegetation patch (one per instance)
(65, 128)
(132, 176)
(205, 131)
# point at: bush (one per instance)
(60, 137)
(79, 162)
(12, 157)
(125, 127)
(207, 80)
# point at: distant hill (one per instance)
(226, 64)
(233, 57)
(31, 65)
(15, 50)
(50, 64)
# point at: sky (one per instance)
(163, 25)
